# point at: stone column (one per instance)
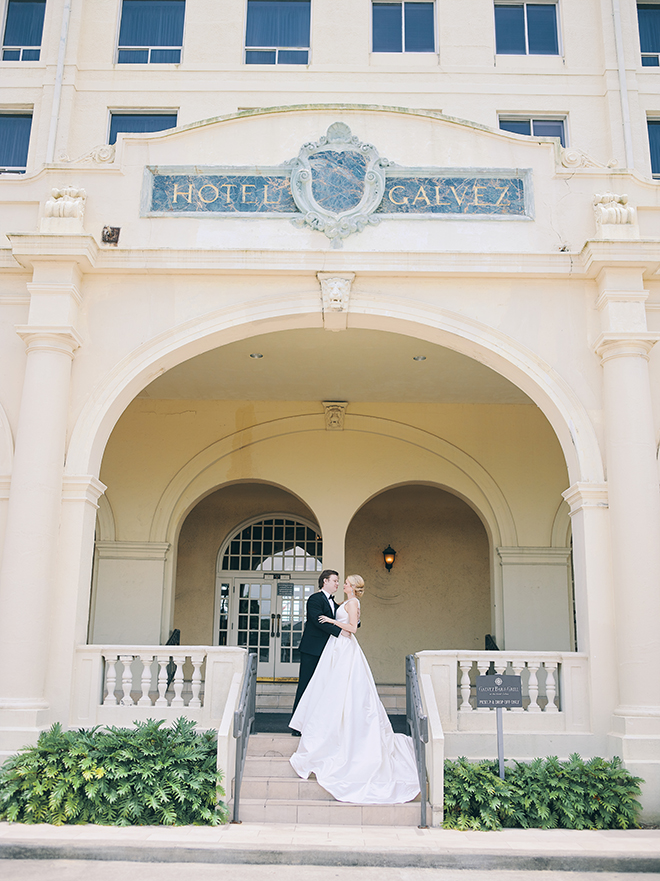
(33, 518)
(30, 560)
(634, 500)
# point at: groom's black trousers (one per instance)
(308, 664)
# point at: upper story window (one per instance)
(648, 18)
(23, 29)
(654, 144)
(140, 123)
(540, 128)
(403, 27)
(14, 141)
(526, 29)
(277, 32)
(151, 31)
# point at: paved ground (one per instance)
(267, 851)
(82, 870)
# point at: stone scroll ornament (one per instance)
(337, 183)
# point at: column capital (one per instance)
(31, 249)
(530, 556)
(625, 344)
(83, 488)
(59, 339)
(586, 495)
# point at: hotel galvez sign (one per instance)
(338, 186)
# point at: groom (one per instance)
(315, 634)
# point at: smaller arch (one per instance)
(561, 527)
(105, 520)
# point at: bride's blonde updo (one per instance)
(357, 583)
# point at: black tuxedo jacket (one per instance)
(315, 635)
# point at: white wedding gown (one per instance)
(347, 740)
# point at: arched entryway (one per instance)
(438, 593)
(243, 577)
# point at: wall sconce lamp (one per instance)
(388, 555)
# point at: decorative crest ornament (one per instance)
(334, 412)
(337, 183)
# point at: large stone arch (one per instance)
(552, 394)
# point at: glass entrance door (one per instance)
(267, 616)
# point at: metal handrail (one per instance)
(419, 729)
(243, 721)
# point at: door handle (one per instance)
(278, 625)
(272, 625)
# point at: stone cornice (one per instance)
(586, 495)
(31, 248)
(132, 550)
(524, 556)
(85, 488)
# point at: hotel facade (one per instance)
(285, 284)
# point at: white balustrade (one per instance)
(540, 674)
(145, 673)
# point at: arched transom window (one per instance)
(276, 544)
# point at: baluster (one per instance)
(551, 686)
(465, 667)
(197, 661)
(110, 682)
(145, 700)
(127, 681)
(517, 667)
(177, 700)
(163, 661)
(533, 687)
(482, 669)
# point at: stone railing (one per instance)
(555, 718)
(122, 684)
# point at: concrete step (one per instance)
(292, 789)
(272, 745)
(278, 697)
(269, 766)
(328, 813)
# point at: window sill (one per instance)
(404, 60)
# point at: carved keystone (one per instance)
(335, 296)
(334, 412)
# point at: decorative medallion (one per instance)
(337, 183)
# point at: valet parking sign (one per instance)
(498, 692)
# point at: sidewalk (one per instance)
(519, 849)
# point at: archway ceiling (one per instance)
(352, 365)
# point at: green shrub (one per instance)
(148, 775)
(545, 794)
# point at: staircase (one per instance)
(272, 792)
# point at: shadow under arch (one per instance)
(556, 399)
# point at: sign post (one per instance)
(499, 691)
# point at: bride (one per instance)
(347, 739)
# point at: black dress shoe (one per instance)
(295, 733)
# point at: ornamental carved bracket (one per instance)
(337, 183)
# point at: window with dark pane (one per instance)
(223, 624)
(254, 618)
(526, 29)
(654, 144)
(23, 30)
(151, 31)
(274, 545)
(403, 27)
(277, 32)
(648, 20)
(14, 141)
(136, 123)
(539, 128)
